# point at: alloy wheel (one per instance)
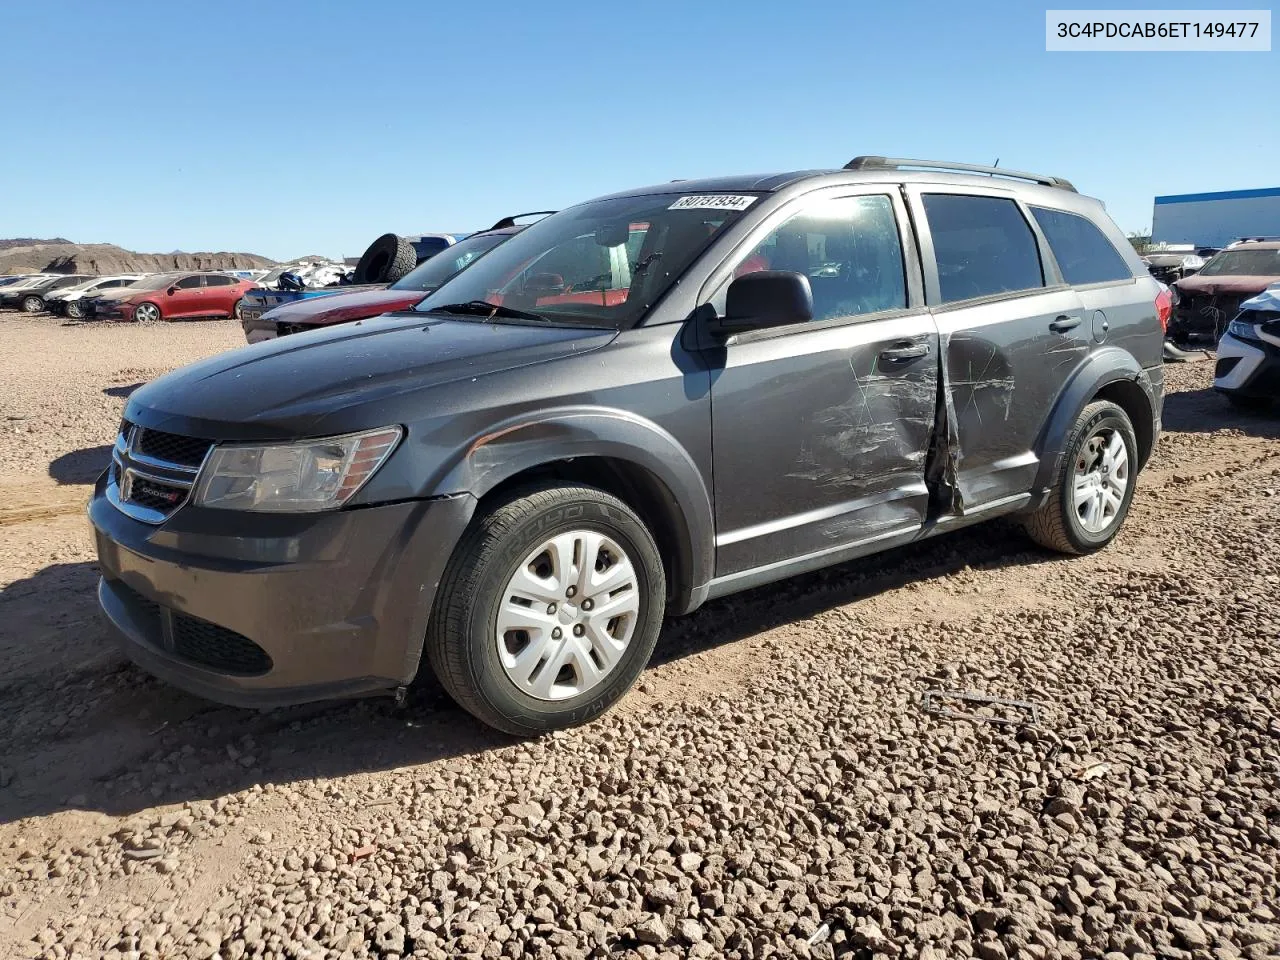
(567, 615)
(146, 313)
(1100, 479)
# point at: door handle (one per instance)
(905, 352)
(1064, 323)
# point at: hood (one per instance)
(344, 307)
(344, 378)
(1229, 284)
(122, 293)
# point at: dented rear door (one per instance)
(1006, 353)
(821, 430)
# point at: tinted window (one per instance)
(429, 246)
(1082, 252)
(431, 273)
(983, 246)
(186, 283)
(848, 248)
(218, 280)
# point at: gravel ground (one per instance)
(772, 788)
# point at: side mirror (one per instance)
(767, 298)
(171, 291)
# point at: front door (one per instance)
(187, 299)
(1011, 332)
(820, 431)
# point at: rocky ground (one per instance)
(772, 788)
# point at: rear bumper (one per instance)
(267, 610)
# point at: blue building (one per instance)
(1215, 219)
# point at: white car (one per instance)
(1248, 366)
(67, 301)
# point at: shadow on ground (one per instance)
(1206, 411)
(81, 466)
(123, 392)
(88, 730)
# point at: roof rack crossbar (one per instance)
(899, 163)
(511, 220)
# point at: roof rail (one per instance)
(511, 220)
(898, 163)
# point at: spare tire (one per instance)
(388, 259)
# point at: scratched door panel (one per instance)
(819, 439)
(1005, 366)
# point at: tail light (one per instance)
(1164, 307)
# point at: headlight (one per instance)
(1243, 330)
(293, 477)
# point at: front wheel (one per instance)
(1094, 487)
(549, 609)
(146, 313)
(73, 309)
(32, 304)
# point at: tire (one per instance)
(32, 304)
(73, 309)
(235, 311)
(1059, 524)
(1248, 404)
(470, 655)
(387, 260)
(147, 312)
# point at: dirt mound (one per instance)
(107, 258)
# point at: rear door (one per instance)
(1011, 334)
(821, 430)
(187, 298)
(220, 293)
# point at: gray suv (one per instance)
(634, 406)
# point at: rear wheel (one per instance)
(1094, 486)
(549, 609)
(32, 304)
(237, 310)
(147, 312)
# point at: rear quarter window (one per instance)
(1083, 252)
(983, 246)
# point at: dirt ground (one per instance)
(771, 788)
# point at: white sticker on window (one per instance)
(713, 201)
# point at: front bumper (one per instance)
(266, 610)
(1250, 368)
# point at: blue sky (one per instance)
(294, 128)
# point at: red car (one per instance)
(174, 296)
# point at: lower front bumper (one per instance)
(267, 610)
(1247, 367)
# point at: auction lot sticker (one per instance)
(713, 201)
(1211, 31)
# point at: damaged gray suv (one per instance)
(635, 405)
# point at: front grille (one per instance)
(156, 496)
(194, 640)
(187, 451)
(217, 648)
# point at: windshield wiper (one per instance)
(483, 308)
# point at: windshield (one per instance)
(431, 273)
(1243, 263)
(157, 282)
(599, 264)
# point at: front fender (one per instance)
(526, 441)
(1102, 369)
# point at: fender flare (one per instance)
(522, 443)
(1103, 368)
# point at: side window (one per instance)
(188, 283)
(849, 249)
(218, 280)
(982, 245)
(1081, 249)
